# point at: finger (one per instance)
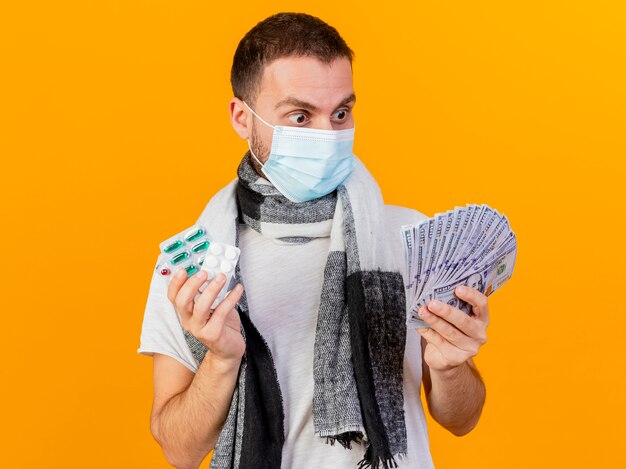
(186, 294)
(227, 304)
(447, 330)
(480, 305)
(202, 308)
(177, 281)
(450, 353)
(468, 325)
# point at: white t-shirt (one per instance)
(283, 286)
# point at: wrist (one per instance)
(450, 372)
(222, 365)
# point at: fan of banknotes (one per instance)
(471, 245)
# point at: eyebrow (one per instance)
(290, 100)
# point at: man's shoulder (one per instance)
(396, 216)
(221, 206)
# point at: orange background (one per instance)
(114, 133)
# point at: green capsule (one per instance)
(170, 248)
(199, 233)
(191, 269)
(180, 257)
(201, 261)
(202, 246)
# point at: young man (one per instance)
(316, 350)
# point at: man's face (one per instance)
(302, 92)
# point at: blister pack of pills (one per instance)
(192, 250)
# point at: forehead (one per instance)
(308, 79)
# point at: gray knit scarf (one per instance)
(360, 335)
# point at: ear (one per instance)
(240, 118)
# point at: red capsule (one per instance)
(165, 271)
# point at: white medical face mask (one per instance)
(305, 164)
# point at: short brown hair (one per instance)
(282, 35)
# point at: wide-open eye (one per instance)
(298, 118)
(341, 115)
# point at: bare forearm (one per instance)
(189, 424)
(456, 398)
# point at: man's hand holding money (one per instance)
(454, 337)
(453, 261)
(454, 390)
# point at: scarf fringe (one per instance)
(370, 461)
(345, 439)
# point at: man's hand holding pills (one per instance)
(454, 336)
(218, 329)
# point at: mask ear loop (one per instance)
(248, 140)
(257, 116)
(252, 153)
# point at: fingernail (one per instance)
(238, 288)
(181, 273)
(220, 278)
(201, 275)
(461, 290)
(434, 305)
(423, 312)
